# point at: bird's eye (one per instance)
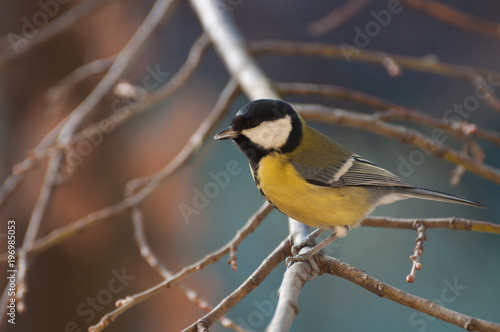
(253, 123)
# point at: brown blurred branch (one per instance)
(8, 54)
(425, 64)
(159, 12)
(194, 144)
(447, 223)
(333, 266)
(455, 17)
(337, 17)
(75, 118)
(406, 135)
(81, 73)
(47, 145)
(127, 303)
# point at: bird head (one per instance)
(263, 126)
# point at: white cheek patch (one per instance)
(270, 134)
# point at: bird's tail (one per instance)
(439, 196)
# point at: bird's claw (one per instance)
(308, 242)
(307, 256)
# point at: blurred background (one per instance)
(70, 284)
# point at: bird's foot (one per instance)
(309, 241)
(306, 256)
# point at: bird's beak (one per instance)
(227, 133)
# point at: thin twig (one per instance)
(446, 223)
(78, 75)
(20, 170)
(252, 282)
(406, 135)
(50, 181)
(155, 263)
(337, 17)
(455, 17)
(336, 267)
(417, 252)
(127, 303)
(21, 44)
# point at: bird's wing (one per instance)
(353, 171)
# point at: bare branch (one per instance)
(253, 281)
(447, 223)
(417, 252)
(334, 266)
(154, 262)
(337, 17)
(455, 17)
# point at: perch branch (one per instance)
(294, 279)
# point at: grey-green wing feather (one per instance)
(354, 171)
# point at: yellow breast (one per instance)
(312, 205)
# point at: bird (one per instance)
(311, 178)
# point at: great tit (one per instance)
(309, 177)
